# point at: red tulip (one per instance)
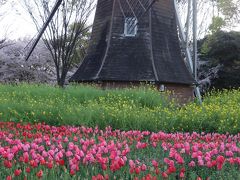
(171, 169)
(7, 164)
(61, 162)
(72, 172)
(106, 177)
(17, 172)
(39, 174)
(220, 161)
(181, 175)
(164, 175)
(131, 170)
(143, 167)
(154, 163)
(137, 170)
(28, 170)
(157, 171)
(9, 178)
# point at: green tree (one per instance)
(217, 24)
(225, 14)
(221, 51)
(81, 47)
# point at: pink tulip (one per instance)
(192, 164)
(154, 163)
(143, 167)
(69, 153)
(10, 156)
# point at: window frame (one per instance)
(126, 25)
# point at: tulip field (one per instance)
(40, 151)
(82, 132)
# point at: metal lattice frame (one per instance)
(45, 25)
(142, 7)
(191, 59)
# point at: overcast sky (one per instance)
(17, 23)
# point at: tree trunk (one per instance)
(60, 81)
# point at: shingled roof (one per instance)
(153, 55)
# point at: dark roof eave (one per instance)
(134, 81)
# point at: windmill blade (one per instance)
(45, 25)
(136, 9)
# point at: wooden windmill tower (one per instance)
(134, 42)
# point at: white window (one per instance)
(162, 88)
(130, 27)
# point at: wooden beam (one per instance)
(45, 25)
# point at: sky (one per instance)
(17, 23)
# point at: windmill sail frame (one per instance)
(140, 14)
(191, 60)
(45, 25)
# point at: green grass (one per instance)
(139, 108)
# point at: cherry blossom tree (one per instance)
(14, 68)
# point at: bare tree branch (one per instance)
(66, 29)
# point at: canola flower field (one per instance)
(141, 109)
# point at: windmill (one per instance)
(135, 41)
